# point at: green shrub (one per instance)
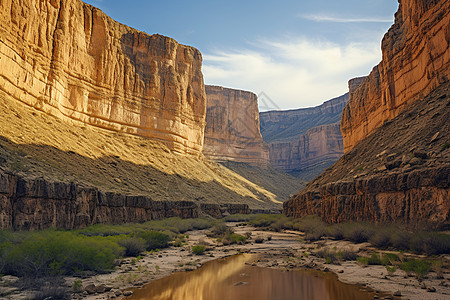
(419, 266)
(133, 245)
(198, 249)
(347, 255)
(237, 238)
(265, 220)
(77, 286)
(373, 259)
(57, 253)
(238, 218)
(220, 230)
(154, 239)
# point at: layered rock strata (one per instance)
(305, 141)
(70, 60)
(38, 204)
(398, 174)
(415, 61)
(232, 127)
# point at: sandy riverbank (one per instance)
(285, 251)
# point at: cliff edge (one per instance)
(415, 61)
(232, 130)
(70, 60)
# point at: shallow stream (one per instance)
(232, 279)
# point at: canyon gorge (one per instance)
(304, 142)
(102, 123)
(396, 132)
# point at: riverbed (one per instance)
(283, 252)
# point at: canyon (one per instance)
(102, 123)
(304, 142)
(395, 131)
(232, 130)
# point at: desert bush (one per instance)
(381, 238)
(154, 239)
(430, 243)
(347, 255)
(330, 256)
(373, 259)
(420, 267)
(238, 218)
(401, 239)
(220, 230)
(265, 220)
(198, 249)
(51, 292)
(58, 253)
(357, 232)
(133, 245)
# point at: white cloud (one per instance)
(327, 18)
(294, 73)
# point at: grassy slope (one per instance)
(34, 144)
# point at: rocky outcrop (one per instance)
(232, 127)
(398, 174)
(70, 60)
(304, 142)
(319, 146)
(38, 204)
(415, 61)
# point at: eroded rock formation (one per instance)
(232, 127)
(39, 204)
(305, 141)
(415, 61)
(399, 173)
(71, 60)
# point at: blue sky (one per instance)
(299, 53)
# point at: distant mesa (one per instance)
(304, 142)
(232, 130)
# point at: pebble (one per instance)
(431, 289)
(127, 293)
(397, 293)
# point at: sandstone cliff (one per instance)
(415, 61)
(304, 142)
(71, 60)
(232, 127)
(399, 173)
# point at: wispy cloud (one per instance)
(294, 72)
(327, 18)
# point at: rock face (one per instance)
(305, 141)
(38, 204)
(415, 61)
(70, 60)
(399, 173)
(232, 127)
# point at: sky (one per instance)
(291, 53)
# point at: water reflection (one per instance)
(230, 278)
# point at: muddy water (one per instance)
(232, 279)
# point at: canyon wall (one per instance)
(232, 127)
(398, 174)
(38, 204)
(70, 60)
(304, 142)
(396, 132)
(415, 61)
